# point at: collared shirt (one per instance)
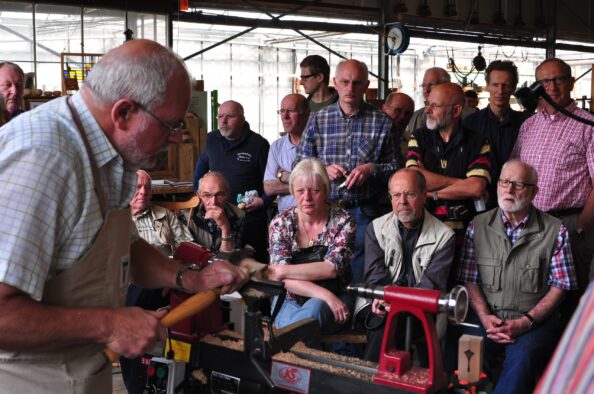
(571, 369)
(561, 273)
(335, 138)
(464, 156)
(502, 136)
(282, 154)
(160, 227)
(208, 234)
(561, 150)
(51, 213)
(409, 237)
(338, 236)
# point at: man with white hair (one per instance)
(240, 154)
(517, 266)
(65, 268)
(156, 225)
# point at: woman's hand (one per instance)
(275, 272)
(339, 309)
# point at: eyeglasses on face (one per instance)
(289, 111)
(432, 106)
(175, 128)
(556, 81)
(208, 196)
(306, 77)
(515, 185)
(407, 196)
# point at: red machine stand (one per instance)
(208, 321)
(395, 368)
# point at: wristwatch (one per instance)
(279, 174)
(532, 321)
(180, 276)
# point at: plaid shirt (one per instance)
(50, 211)
(160, 227)
(335, 138)
(561, 272)
(562, 152)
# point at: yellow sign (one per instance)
(181, 350)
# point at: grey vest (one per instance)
(514, 278)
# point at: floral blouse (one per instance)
(338, 236)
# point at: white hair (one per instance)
(143, 78)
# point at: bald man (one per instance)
(12, 80)
(239, 154)
(433, 77)
(399, 107)
(454, 160)
(353, 140)
(294, 113)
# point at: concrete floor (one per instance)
(118, 383)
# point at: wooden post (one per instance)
(470, 356)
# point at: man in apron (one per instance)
(67, 244)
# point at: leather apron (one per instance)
(98, 279)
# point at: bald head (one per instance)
(444, 107)
(451, 92)
(399, 107)
(351, 81)
(294, 114)
(231, 120)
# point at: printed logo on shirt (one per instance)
(443, 163)
(244, 157)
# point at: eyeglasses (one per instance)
(556, 81)
(208, 196)
(176, 128)
(407, 196)
(432, 106)
(306, 77)
(515, 185)
(289, 111)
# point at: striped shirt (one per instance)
(465, 155)
(51, 213)
(561, 271)
(336, 138)
(562, 152)
(571, 369)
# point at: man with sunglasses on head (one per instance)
(453, 159)
(517, 266)
(315, 79)
(294, 113)
(562, 151)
